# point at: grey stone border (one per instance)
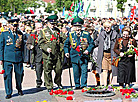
(107, 93)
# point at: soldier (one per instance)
(11, 54)
(36, 54)
(51, 41)
(81, 45)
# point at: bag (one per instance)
(115, 61)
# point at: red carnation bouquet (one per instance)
(66, 93)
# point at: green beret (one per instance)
(52, 18)
(77, 21)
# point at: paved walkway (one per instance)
(33, 94)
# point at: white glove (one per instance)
(49, 50)
(86, 52)
(31, 47)
(67, 55)
(121, 54)
(130, 55)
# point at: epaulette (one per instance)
(85, 32)
(71, 32)
(5, 31)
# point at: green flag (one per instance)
(88, 9)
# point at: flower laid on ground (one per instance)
(129, 93)
(88, 88)
(63, 93)
(69, 98)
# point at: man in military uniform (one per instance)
(36, 54)
(81, 45)
(51, 41)
(11, 54)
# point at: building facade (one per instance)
(107, 8)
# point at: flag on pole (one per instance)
(75, 10)
(63, 12)
(88, 9)
(82, 6)
(71, 6)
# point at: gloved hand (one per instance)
(31, 47)
(130, 55)
(49, 50)
(67, 55)
(86, 52)
(121, 54)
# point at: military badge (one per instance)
(19, 41)
(9, 41)
(84, 43)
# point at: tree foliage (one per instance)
(49, 8)
(137, 1)
(63, 3)
(17, 6)
(120, 4)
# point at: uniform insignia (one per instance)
(9, 41)
(19, 41)
(85, 32)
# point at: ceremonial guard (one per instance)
(51, 43)
(11, 54)
(81, 45)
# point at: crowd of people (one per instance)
(49, 44)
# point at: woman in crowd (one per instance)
(126, 66)
(105, 42)
(28, 31)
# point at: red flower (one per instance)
(121, 90)
(78, 49)
(127, 96)
(34, 36)
(56, 92)
(93, 89)
(2, 72)
(58, 33)
(60, 91)
(51, 39)
(69, 98)
(122, 93)
(136, 51)
(71, 92)
(50, 93)
(54, 38)
(83, 90)
(65, 92)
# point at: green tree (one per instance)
(137, 1)
(49, 8)
(120, 4)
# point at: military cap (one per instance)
(14, 22)
(125, 19)
(52, 18)
(135, 19)
(77, 21)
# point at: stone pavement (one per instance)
(33, 94)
